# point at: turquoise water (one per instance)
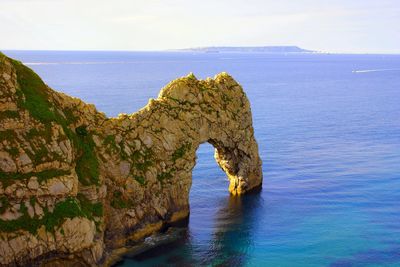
(328, 128)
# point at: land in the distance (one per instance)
(246, 49)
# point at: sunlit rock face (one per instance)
(76, 185)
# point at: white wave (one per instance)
(77, 63)
(374, 70)
(39, 63)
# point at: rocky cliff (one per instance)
(76, 185)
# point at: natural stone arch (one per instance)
(116, 179)
(224, 120)
(168, 131)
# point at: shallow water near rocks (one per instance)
(328, 129)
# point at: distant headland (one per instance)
(246, 49)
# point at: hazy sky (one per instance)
(324, 25)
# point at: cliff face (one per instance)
(76, 185)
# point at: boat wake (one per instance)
(375, 70)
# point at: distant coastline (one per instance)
(245, 49)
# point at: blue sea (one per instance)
(328, 129)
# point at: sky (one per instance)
(349, 26)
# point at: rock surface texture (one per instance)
(75, 186)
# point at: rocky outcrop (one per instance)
(76, 185)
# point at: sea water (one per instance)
(328, 130)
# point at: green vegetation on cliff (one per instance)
(69, 208)
(89, 209)
(87, 166)
(4, 204)
(34, 96)
(165, 175)
(180, 152)
(141, 162)
(119, 202)
(9, 114)
(111, 145)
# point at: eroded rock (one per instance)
(78, 184)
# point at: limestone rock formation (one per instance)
(76, 185)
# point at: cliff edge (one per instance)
(76, 185)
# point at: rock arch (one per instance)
(217, 111)
(116, 179)
(167, 133)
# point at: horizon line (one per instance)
(182, 50)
